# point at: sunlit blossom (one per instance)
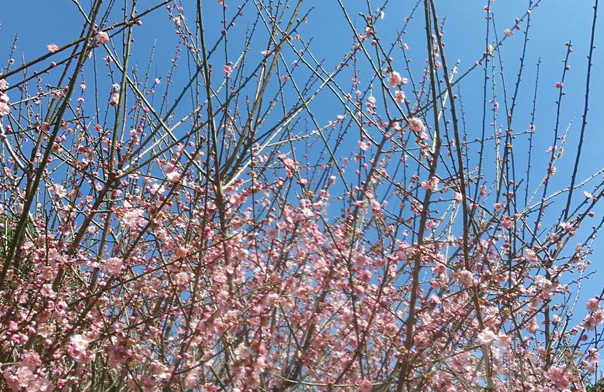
(399, 96)
(593, 304)
(395, 79)
(113, 265)
(102, 37)
(487, 336)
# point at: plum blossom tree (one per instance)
(247, 216)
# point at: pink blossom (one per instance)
(399, 96)
(4, 99)
(431, 185)
(458, 197)
(78, 348)
(181, 278)
(115, 99)
(24, 376)
(568, 227)
(181, 251)
(52, 48)
(376, 207)
(363, 145)
(440, 268)
(530, 255)
(113, 265)
(190, 381)
(487, 336)
(4, 109)
(102, 37)
(58, 190)
(417, 126)
(365, 386)
(466, 278)
(593, 304)
(159, 370)
(365, 276)
(79, 342)
(559, 84)
(243, 352)
(589, 323)
(228, 70)
(174, 176)
(272, 233)
(395, 79)
(558, 376)
(291, 166)
(532, 326)
(133, 218)
(57, 94)
(368, 33)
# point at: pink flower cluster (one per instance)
(4, 108)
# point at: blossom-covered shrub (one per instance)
(247, 218)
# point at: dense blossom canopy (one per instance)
(246, 216)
